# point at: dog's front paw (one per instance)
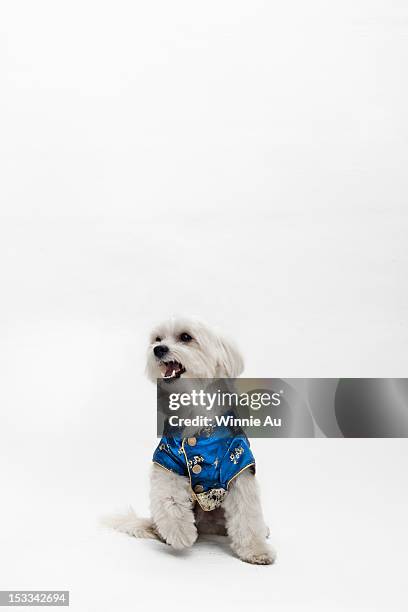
(258, 555)
(181, 535)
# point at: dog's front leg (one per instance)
(244, 520)
(172, 508)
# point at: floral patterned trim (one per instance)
(212, 499)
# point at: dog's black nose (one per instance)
(160, 350)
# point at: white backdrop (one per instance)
(242, 161)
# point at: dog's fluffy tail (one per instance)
(131, 524)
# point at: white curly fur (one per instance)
(172, 508)
(245, 523)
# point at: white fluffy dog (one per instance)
(188, 348)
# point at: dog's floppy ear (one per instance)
(229, 363)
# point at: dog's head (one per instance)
(189, 348)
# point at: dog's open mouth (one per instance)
(171, 369)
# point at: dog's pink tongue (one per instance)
(169, 369)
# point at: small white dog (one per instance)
(188, 348)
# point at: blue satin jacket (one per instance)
(211, 460)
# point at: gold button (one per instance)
(196, 469)
(192, 441)
(199, 488)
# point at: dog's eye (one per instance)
(158, 339)
(184, 337)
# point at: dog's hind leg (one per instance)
(245, 524)
(172, 508)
